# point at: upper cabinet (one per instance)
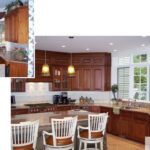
(92, 71)
(91, 59)
(16, 25)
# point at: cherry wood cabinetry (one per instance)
(16, 25)
(110, 121)
(18, 85)
(94, 59)
(60, 81)
(140, 126)
(92, 71)
(126, 126)
(18, 69)
(19, 111)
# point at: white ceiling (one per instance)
(94, 43)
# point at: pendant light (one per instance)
(71, 69)
(45, 68)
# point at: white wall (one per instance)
(39, 92)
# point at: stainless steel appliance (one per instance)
(13, 100)
(64, 98)
(56, 99)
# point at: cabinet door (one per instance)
(57, 75)
(64, 79)
(97, 78)
(76, 81)
(115, 124)
(87, 79)
(18, 69)
(23, 25)
(18, 85)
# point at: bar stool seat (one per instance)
(85, 133)
(59, 142)
(28, 147)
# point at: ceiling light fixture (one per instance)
(115, 50)
(111, 43)
(45, 68)
(143, 45)
(87, 49)
(71, 69)
(63, 46)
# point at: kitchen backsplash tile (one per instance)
(39, 92)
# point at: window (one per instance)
(140, 58)
(136, 85)
(123, 82)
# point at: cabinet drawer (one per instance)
(126, 114)
(141, 116)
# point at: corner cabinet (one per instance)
(16, 25)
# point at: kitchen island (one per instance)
(131, 123)
(45, 122)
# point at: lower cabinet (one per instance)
(126, 124)
(110, 121)
(140, 126)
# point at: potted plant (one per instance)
(114, 89)
(13, 5)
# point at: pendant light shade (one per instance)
(45, 68)
(71, 69)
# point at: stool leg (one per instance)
(85, 146)
(95, 146)
(80, 145)
(101, 145)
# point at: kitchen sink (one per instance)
(131, 107)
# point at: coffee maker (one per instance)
(64, 98)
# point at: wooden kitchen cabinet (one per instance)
(110, 121)
(77, 80)
(16, 25)
(18, 69)
(18, 85)
(60, 78)
(97, 78)
(126, 125)
(140, 126)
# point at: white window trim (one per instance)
(131, 75)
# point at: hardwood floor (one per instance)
(117, 143)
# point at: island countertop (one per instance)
(45, 118)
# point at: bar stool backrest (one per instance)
(97, 123)
(24, 133)
(63, 128)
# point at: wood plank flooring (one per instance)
(117, 143)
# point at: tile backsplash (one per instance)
(39, 92)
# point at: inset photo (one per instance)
(16, 38)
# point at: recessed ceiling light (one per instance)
(63, 46)
(115, 50)
(143, 45)
(111, 43)
(87, 49)
(144, 36)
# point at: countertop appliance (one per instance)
(64, 98)
(56, 99)
(13, 100)
(61, 99)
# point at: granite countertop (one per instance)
(45, 118)
(109, 105)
